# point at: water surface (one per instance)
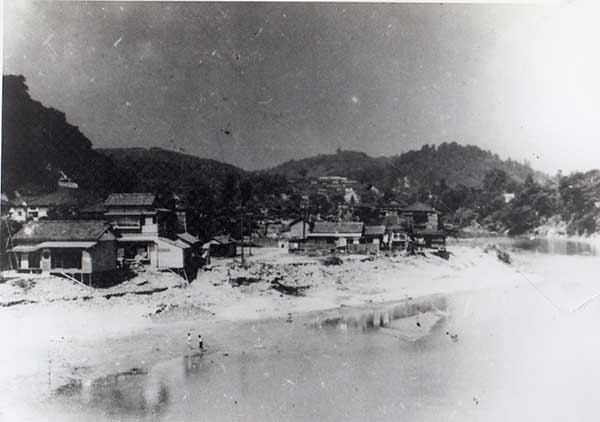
(489, 355)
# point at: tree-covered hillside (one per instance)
(38, 143)
(157, 169)
(449, 162)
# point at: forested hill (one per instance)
(450, 162)
(38, 143)
(157, 168)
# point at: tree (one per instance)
(495, 181)
(230, 191)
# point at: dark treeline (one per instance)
(467, 183)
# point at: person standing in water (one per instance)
(189, 341)
(200, 342)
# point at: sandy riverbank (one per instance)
(51, 342)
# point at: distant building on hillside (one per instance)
(508, 197)
(63, 200)
(334, 180)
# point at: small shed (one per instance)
(221, 246)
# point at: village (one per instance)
(101, 242)
(288, 211)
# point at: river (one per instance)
(522, 353)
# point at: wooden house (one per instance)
(148, 233)
(426, 226)
(397, 232)
(374, 235)
(334, 236)
(78, 248)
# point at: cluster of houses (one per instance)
(126, 229)
(412, 227)
(131, 230)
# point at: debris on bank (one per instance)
(287, 289)
(500, 254)
(333, 260)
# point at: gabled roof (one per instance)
(43, 231)
(374, 230)
(130, 199)
(339, 227)
(188, 238)
(419, 207)
(177, 242)
(222, 239)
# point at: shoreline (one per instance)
(103, 344)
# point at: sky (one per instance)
(256, 84)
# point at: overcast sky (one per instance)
(256, 84)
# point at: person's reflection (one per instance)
(192, 364)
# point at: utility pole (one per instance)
(242, 227)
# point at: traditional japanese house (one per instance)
(427, 230)
(328, 236)
(148, 233)
(397, 232)
(80, 249)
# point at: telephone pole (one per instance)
(242, 227)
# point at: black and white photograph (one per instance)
(299, 211)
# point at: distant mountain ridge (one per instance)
(38, 145)
(455, 164)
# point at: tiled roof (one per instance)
(41, 231)
(339, 227)
(130, 199)
(374, 230)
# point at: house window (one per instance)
(65, 258)
(33, 214)
(20, 213)
(128, 222)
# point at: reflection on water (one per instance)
(383, 316)
(497, 355)
(552, 246)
